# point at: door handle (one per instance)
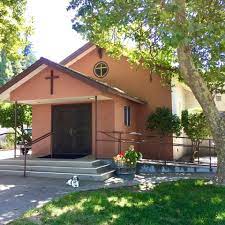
(71, 131)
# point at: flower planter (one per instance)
(125, 171)
(125, 163)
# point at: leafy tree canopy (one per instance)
(173, 38)
(13, 27)
(15, 48)
(164, 122)
(11, 67)
(151, 31)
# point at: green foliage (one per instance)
(164, 122)
(131, 156)
(195, 126)
(14, 39)
(8, 142)
(13, 27)
(11, 67)
(148, 34)
(24, 117)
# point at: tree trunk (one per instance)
(200, 90)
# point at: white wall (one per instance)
(178, 100)
(182, 98)
(178, 105)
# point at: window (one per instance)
(101, 69)
(218, 98)
(127, 116)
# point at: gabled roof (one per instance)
(78, 53)
(13, 83)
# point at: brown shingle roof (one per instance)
(77, 53)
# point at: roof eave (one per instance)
(77, 53)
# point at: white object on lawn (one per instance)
(73, 181)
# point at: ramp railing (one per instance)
(190, 152)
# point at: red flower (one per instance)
(121, 154)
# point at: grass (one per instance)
(187, 202)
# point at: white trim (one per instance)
(63, 100)
(80, 56)
(5, 96)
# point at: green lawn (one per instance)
(186, 202)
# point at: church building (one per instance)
(87, 102)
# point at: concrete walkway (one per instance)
(18, 194)
(8, 154)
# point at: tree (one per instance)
(14, 37)
(171, 38)
(11, 67)
(24, 118)
(13, 27)
(164, 122)
(196, 128)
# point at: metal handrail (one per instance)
(40, 138)
(140, 138)
(29, 145)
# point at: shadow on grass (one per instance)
(190, 202)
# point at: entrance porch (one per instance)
(75, 126)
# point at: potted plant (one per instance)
(126, 163)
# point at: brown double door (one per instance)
(71, 125)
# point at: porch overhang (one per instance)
(80, 99)
(42, 63)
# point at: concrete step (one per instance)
(91, 177)
(60, 169)
(95, 170)
(55, 163)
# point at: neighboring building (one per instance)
(183, 99)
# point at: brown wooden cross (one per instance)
(51, 78)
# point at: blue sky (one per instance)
(53, 36)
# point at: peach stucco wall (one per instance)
(65, 86)
(137, 82)
(106, 122)
(41, 124)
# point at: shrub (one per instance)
(24, 118)
(196, 128)
(164, 122)
(8, 142)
